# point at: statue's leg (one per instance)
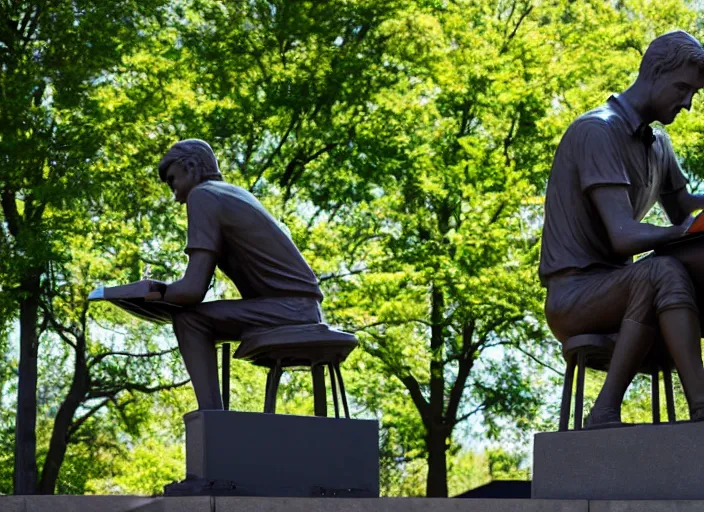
(681, 332)
(631, 300)
(685, 325)
(196, 342)
(690, 252)
(634, 342)
(198, 328)
(662, 285)
(606, 301)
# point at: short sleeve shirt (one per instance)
(608, 146)
(251, 248)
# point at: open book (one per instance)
(142, 299)
(698, 224)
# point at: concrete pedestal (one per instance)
(256, 504)
(281, 455)
(645, 462)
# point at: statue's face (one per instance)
(673, 91)
(180, 181)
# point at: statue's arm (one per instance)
(191, 288)
(678, 205)
(628, 236)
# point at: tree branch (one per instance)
(469, 414)
(420, 402)
(99, 357)
(80, 421)
(466, 362)
(133, 386)
(12, 216)
(277, 150)
(534, 358)
(58, 328)
(392, 322)
(513, 33)
(339, 276)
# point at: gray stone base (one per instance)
(236, 504)
(282, 455)
(645, 462)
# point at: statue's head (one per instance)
(186, 164)
(673, 71)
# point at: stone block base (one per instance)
(645, 462)
(236, 504)
(282, 455)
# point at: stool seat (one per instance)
(599, 348)
(312, 345)
(595, 351)
(295, 345)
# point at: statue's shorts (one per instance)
(224, 320)
(597, 300)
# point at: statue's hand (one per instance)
(152, 296)
(156, 291)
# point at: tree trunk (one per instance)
(436, 485)
(59, 440)
(436, 442)
(60, 434)
(25, 474)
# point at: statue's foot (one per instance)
(604, 417)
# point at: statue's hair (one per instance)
(195, 152)
(669, 52)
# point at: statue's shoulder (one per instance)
(601, 117)
(213, 188)
(227, 195)
(602, 121)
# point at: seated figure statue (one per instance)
(229, 227)
(609, 169)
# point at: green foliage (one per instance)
(405, 144)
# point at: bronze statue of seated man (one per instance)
(609, 169)
(229, 227)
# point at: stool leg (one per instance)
(579, 398)
(226, 376)
(342, 390)
(669, 395)
(266, 389)
(319, 398)
(272, 387)
(655, 395)
(333, 388)
(567, 394)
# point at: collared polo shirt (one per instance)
(608, 146)
(250, 246)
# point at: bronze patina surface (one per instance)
(609, 170)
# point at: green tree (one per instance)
(444, 257)
(375, 131)
(53, 57)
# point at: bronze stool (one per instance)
(594, 351)
(310, 345)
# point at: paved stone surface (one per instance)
(12, 504)
(76, 503)
(646, 462)
(233, 504)
(180, 504)
(241, 504)
(646, 506)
